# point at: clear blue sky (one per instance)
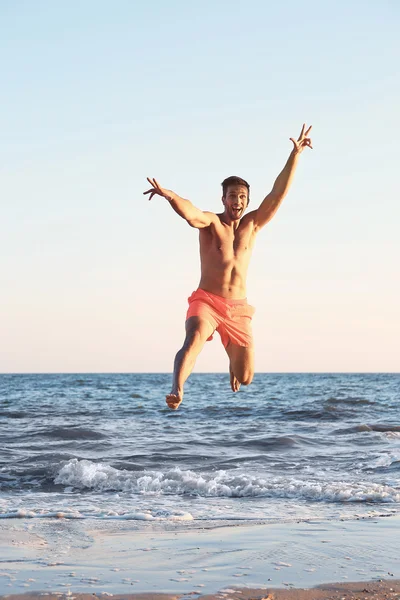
(97, 95)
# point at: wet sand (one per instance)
(335, 591)
(286, 561)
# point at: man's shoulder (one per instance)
(248, 219)
(215, 219)
(211, 220)
(250, 216)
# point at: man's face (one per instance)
(235, 201)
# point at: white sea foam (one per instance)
(100, 477)
(386, 459)
(392, 435)
(144, 515)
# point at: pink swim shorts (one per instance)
(231, 318)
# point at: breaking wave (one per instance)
(100, 477)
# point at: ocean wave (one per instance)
(143, 515)
(279, 442)
(100, 477)
(70, 433)
(385, 427)
(351, 400)
(386, 460)
(314, 414)
(377, 427)
(14, 414)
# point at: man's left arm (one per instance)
(271, 203)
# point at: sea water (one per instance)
(289, 447)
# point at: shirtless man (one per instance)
(226, 242)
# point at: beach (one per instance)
(74, 557)
(291, 484)
(198, 216)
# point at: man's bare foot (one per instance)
(235, 385)
(174, 400)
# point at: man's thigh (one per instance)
(198, 329)
(241, 362)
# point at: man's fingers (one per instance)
(152, 192)
(300, 144)
(152, 182)
(157, 184)
(308, 131)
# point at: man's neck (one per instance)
(233, 224)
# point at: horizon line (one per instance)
(197, 373)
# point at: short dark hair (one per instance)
(234, 180)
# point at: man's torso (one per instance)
(225, 255)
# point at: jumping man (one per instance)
(226, 242)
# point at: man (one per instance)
(226, 242)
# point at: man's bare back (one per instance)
(226, 244)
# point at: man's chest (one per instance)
(228, 243)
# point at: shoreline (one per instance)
(73, 557)
(372, 590)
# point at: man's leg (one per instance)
(198, 330)
(241, 365)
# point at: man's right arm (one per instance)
(184, 208)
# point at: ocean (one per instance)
(290, 447)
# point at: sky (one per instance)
(98, 95)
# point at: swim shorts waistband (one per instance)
(225, 300)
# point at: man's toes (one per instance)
(173, 401)
(232, 380)
(173, 405)
(235, 385)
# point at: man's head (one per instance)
(235, 196)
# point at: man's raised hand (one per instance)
(302, 141)
(156, 189)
